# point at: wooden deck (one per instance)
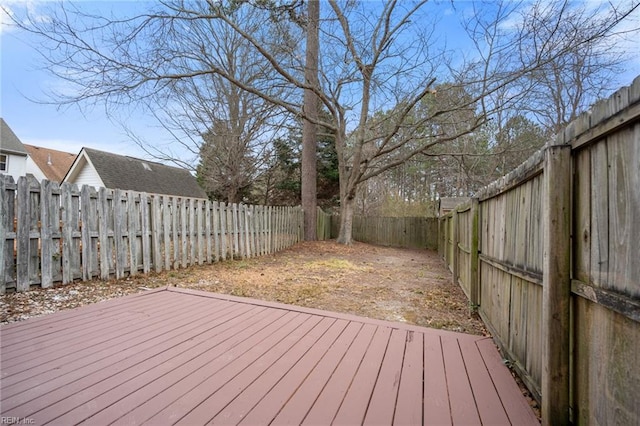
(178, 356)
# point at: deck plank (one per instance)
(174, 355)
(461, 400)
(486, 398)
(409, 406)
(516, 406)
(436, 394)
(385, 393)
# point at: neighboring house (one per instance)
(446, 204)
(13, 154)
(49, 164)
(104, 169)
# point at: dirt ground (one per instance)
(411, 286)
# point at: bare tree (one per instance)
(373, 57)
(310, 113)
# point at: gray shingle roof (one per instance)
(9, 142)
(129, 173)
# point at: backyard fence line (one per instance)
(549, 256)
(52, 233)
(405, 232)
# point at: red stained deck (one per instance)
(179, 356)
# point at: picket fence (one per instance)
(52, 233)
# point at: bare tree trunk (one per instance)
(347, 209)
(309, 132)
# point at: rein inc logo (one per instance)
(17, 421)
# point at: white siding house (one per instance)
(13, 154)
(32, 168)
(83, 172)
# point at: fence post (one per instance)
(474, 292)
(46, 230)
(556, 291)
(6, 227)
(455, 240)
(22, 235)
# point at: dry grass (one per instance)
(411, 286)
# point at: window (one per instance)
(3, 163)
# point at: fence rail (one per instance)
(52, 233)
(554, 271)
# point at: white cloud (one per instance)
(8, 9)
(6, 23)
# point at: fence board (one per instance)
(600, 214)
(89, 227)
(156, 238)
(582, 217)
(132, 233)
(46, 231)
(22, 235)
(207, 230)
(192, 232)
(200, 230)
(217, 231)
(223, 231)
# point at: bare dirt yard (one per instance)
(412, 286)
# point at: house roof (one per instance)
(129, 173)
(449, 203)
(54, 164)
(9, 142)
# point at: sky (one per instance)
(23, 87)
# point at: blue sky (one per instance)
(24, 85)
(68, 128)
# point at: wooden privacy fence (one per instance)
(550, 255)
(51, 233)
(409, 232)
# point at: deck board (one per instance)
(172, 356)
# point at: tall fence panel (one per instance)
(52, 233)
(606, 261)
(558, 268)
(410, 232)
(510, 266)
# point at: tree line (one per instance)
(364, 107)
